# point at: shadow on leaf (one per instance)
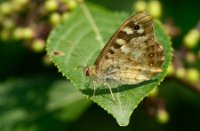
(105, 90)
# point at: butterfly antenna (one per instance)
(79, 53)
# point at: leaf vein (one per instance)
(92, 23)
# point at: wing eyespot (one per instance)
(136, 27)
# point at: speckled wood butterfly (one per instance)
(131, 56)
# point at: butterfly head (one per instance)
(86, 71)
(89, 71)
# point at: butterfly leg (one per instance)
(94, 91)
(94, 87)
(106, 84)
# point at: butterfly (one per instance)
(132, 55)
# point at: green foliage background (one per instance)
(36, 97)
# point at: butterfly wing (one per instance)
(132, 55)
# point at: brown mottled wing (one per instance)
(132, 55)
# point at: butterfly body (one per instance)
(131, 56)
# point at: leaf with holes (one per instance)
(78, 41)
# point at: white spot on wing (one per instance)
(120, 41)
(112, 48)
(125, 49)
(140, 31)
(128, 30)
(162, 58)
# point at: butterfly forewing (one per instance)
(132, 55)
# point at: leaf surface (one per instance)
(78, 41)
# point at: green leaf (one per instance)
(78, 41)
(34, 103)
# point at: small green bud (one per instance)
(18, 33)
(71, 4)
(38, 45)
(65, 16)
(155, 8)
(170, 70)
(55, 19)
(153, 92)
(51, 5)
(162, 116)
(193, 75)
(46, 60)
(23, 33)
(140, 5)
(28, 33)
(191, 39)
(5, 8)
(181, 72)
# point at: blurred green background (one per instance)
(35, 97)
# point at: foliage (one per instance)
(27, 102)
(34, 96)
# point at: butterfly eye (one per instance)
(87, 72)
(136, 27)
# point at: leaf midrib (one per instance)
(92, 22)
